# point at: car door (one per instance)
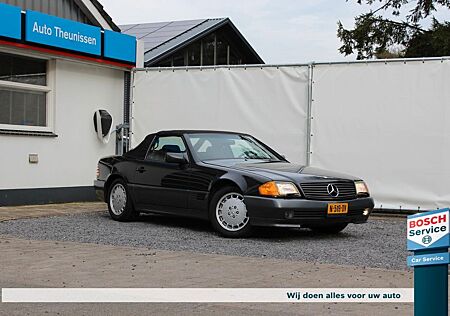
(160, 185)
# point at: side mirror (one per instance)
(103, 122)
(178, 158)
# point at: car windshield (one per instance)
(215, 146)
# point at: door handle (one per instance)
(141, 169)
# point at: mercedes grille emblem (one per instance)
(332, 190)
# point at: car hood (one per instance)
(283, 171)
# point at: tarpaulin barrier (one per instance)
(383, 121)
(269, 103)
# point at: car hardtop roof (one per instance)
(181, 132)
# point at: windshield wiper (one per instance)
(262, 158)
(250, 154)
(258, 158)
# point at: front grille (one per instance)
(318, 190)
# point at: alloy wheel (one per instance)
(231, 212)
(118, 199)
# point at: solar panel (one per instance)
(187, 22)
(156, 38)
(124, 28)
(142, 31)
(162, 36)
(151, 25)
(154, 34)
(152, 42)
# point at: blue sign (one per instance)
(429, 259)
(428, 230)
(53, 31)
(119, 46)
(11, 21)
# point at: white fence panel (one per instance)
(269, 103)
(389, 124)
(384, 122)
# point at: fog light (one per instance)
(366, 211)
(289, 214)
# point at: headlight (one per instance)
(274, 188)
(361, 188)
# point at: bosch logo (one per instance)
(427, 239)
(428, 230)
(332, 190)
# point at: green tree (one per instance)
(375, 35)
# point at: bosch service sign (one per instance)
(428, 230)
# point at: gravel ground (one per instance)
(380, 243)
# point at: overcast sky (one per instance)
(281, 31)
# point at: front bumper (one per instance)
(99, 187)
(265, 211)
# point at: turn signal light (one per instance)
(98, 172)
(269, 188)
(275, 188)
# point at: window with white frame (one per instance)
(24, 93)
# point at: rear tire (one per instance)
(330, 229)
(228, 213)
(120, 205)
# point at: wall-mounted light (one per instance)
(103, 122)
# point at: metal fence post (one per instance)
(123, 138)
(130, 112)
(309, 113)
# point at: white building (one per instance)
(60, 61)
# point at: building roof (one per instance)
(75, 10)
(163, 38)
(105, 15)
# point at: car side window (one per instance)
(165, 144)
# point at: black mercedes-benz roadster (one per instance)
(231, 179)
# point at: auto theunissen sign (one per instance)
(57, 32)
(428, 230)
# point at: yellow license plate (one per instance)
(337, 208)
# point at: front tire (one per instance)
(228, 213)
(119, 202)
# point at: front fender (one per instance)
(248, 184)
